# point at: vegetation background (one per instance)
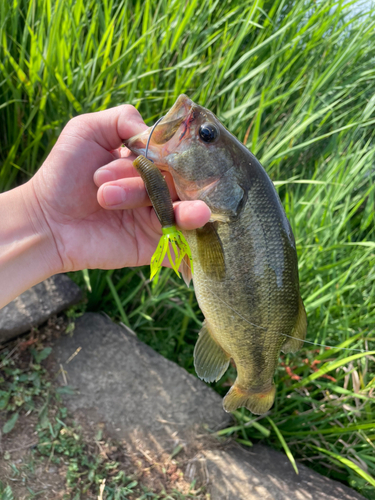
(295, 81)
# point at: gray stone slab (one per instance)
(153, 404)
(263, 473)
(139, 395)
(36, 305)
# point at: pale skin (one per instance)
(70, 216)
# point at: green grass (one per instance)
(296, 82)
(6, 492)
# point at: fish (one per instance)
(245, 261)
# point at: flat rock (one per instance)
(238, 474)
(153, 405)
(139, 395)
(36, 305)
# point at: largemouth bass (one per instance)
(245, 262)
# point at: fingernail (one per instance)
(113, 195)
(102, 176)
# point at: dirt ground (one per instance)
(22, 470)
(33, 475)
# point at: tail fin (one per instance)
(257, 402)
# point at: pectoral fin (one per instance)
(210, 359)
(220, 218)
(210, 252)
(298, 332)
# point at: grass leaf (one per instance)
(283, 443)
(348, 463)
(9, 424)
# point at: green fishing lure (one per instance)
(160, 197)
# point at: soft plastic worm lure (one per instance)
(158, 192)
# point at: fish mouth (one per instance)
(178, 117)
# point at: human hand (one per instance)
(108, 228)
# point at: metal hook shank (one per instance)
(149, 137)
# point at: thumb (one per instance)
(109, 128)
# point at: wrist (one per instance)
(27, 250)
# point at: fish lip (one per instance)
(137, 143)
(181, 110)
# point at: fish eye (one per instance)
(208, 132)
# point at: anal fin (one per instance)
(298, 333)
(210, 359)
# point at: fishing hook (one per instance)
(149, 137)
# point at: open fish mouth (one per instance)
(177, 119)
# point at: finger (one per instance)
(189, 215)
(121, 188)
(125, 152)
(116, 153)
(118, 169)
(128, 193)
(108, 128)
(123, 194)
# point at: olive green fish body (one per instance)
(245, 262)
(251, 309)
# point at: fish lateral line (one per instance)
(285, 334)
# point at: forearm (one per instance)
(27, 253)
